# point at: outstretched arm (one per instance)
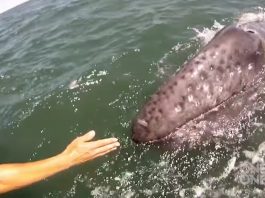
(80, 150)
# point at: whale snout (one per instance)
(141, 131)
(148, 132)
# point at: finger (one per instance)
(106, 152)
(104, 142)
(106, 148)
(88, 136)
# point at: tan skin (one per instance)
(80, 150)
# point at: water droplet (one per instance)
(206, 87)
(190, 98)
(195, 73)
(178, 108)
(250, 66)
(200, 66)
(74, 84)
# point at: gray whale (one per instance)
(211, 94)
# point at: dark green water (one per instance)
(117, 52)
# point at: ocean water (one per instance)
(69, 66)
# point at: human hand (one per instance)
(82, 149)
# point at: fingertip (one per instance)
(113, 149)
(88, 136)
(92, 133)
(114, 139)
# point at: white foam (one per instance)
(73, 84)
(206, 34)
(251, 17)
(256, 156)
(7, 5)
(230, 166)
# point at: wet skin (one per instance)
(210, 95)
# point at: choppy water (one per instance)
(67, 66)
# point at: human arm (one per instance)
(80, 150)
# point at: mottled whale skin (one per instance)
(211, 94)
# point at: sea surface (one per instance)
(69, 66)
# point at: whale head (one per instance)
(227, 66)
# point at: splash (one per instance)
(206, 34)
(252, 17)
(256, 156)
(90, 79)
